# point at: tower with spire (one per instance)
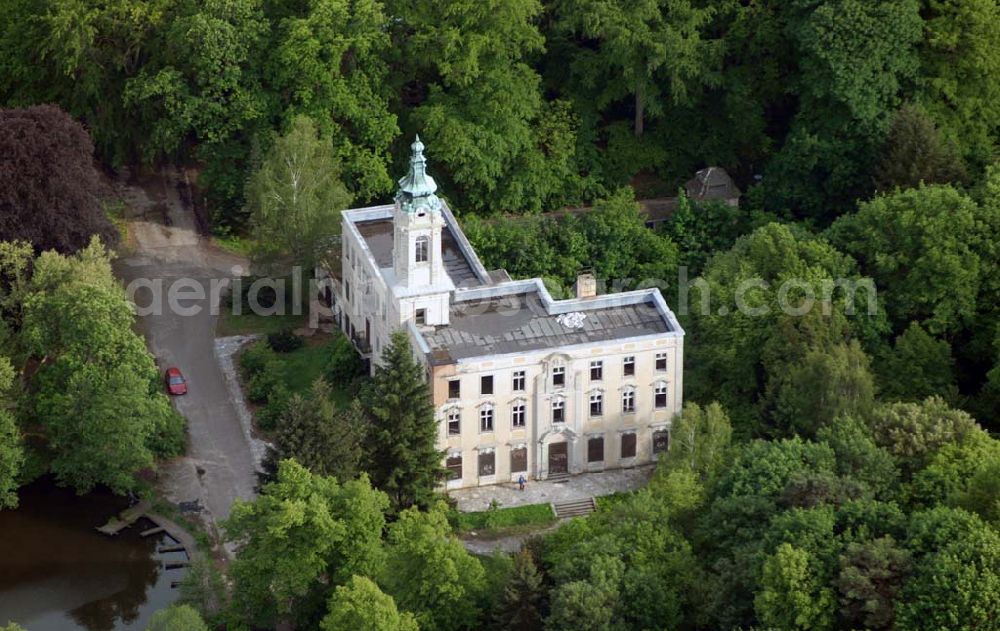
(418, 263)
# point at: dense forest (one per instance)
(832, 470)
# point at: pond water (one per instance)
(57, 573)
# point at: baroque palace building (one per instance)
(523, 384)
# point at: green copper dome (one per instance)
(416, 189)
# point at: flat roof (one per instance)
(377, 234)
(524, 321)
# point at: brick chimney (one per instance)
(586, 284)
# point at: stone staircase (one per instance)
(575, 508)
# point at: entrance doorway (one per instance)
(558, 458)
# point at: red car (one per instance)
(175, 381)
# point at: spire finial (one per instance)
(417, 184)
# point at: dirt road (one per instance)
(165, 246)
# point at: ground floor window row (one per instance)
(486, 459)
(517, 411)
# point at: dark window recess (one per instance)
(519, 460)
(454, 389)
(661, 362)
(559, 376)
(421, 317)
(487, 463)
(596, 371)
(454, 465)
(486, 385)
(557, 412)
(517, 415)
(596, 404)
(595, 449)
(628, 445)
(629, 366)
(661, 441)
(454, 423)
(661, 397)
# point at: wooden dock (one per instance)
(185, 542)
(125, 519)
(152, 531)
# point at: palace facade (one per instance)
(523, 384)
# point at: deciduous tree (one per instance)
(430, 573)
(296, 197)
(50, 193)
(302, 531)
(359, 604)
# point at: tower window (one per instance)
(422, 253)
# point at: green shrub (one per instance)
(265, 382)
(284, 341)
(253, 359)
(344, 364)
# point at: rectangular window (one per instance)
(487, 463)
(421, 317)
(486, 419)
(661, 441)
(517, 415)
(559, 376)
(454, 422)
(558, 407)
(454, 465)
(454, 388)
(628, 401)
(596, 404)
(519, 460)
(628, 366)
(422, 249)
(661, 396)
(518, 381)
(596, 370)
(628, 445)
(661, 362)
(486, 385)
(595, 449)
(347, 290)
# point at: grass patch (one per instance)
(250, 323)
(498, 519)
(305, 365)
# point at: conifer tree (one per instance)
(403, 458)
(520, 605)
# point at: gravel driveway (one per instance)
(165, 246)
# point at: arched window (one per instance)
(486, 418)
(628, 400)
(517, 414)
(660, 395)
(422, 252)
(597, 403)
